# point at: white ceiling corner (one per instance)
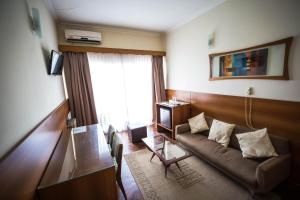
(154, 15)
(51, 8)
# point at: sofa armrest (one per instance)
(182, 128)
(272, 171)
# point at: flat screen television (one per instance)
(56, 63)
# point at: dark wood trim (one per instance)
(66, 48)
(22, 168)
(280, 117)
(285, 75)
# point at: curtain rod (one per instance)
(73, 48)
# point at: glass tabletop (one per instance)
(165, 147)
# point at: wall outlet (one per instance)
(249, 91)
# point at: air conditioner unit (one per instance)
(72, 35)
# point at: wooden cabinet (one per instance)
(170, 115)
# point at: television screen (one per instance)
(56, 63)
(165, 117)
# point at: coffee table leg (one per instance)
(153, 154)
(166, 170)
(178, 166)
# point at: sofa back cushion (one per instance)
(234, 143)
(281, 145)
(209, 121)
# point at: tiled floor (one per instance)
(131, 188)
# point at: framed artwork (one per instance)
(266, 61)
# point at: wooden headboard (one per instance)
(282, 118)
(22, 168)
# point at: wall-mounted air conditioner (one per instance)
(72, 35)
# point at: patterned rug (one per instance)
(196, 180)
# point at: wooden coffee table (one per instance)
(166, 149)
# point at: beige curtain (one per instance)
(79, 86)
(159, 93)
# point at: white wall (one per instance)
(114, 37)
(237, 24)
(28, 94)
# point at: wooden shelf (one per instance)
(161, 125)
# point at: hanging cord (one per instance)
(246, 112)
(248, 115)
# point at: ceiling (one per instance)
(155, 15)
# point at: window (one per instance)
(122, 86)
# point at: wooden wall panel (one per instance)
(22, 168)
(282, 118)
(181, 95)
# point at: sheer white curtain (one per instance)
(122, 86)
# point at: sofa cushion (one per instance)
(228, 160)
(220, 132)
(233, 162)
(189, 139)
(256, 144)
(281, 145)
(198, 123)
(233, 140)
(234, 143)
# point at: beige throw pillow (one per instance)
(198, 123)
(221, 132)
(256, 144)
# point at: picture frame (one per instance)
(265, 61)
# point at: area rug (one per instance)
(196, 181)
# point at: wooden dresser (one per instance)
(81, 167)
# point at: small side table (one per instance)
(136, 132)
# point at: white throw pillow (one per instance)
(198, 123)
(221, 132)
(256, 144)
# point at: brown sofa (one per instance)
(257, 175)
